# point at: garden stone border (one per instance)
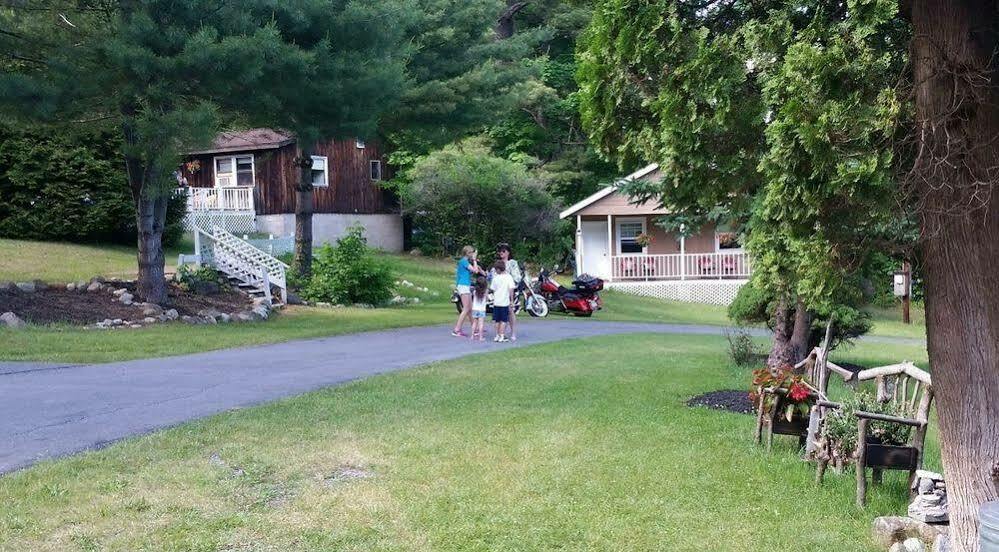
(149, 313)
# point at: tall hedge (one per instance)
(68, 187)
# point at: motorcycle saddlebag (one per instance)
(588, 283)
(576, 303)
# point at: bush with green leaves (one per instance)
(202, 280)
(349, 273)
(464, 195)
(741, 348)
(755, 305)
(69, 187)
(839, 431)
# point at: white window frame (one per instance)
(232, 158)
(372, 163)
(629, 220)
(718, 249)
(326, 171)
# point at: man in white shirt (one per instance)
(503, 288)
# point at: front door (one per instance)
(595, 257)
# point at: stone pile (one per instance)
(930, 504)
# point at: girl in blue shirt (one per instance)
(467, 266)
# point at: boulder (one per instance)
(261, 312)
(149, 320)
(11, 320)
(126, 298)
(224, 318)
(930, 502)
(151, 309)
(119, 292)
(209, 313)
(889, 530)
(26, 287)
(94, 287)
(293, 298)
(171, 314)
(81, 286)
(71, 286)
(244, 316)
(913, 544)
(190, 319)
(8, 286)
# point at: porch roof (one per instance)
(602, 202)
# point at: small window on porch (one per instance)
(234, 170)
(359, 143)
(728, 241)
(627, 236)
(320, 172)
(376, 170)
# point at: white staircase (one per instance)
(246, 266)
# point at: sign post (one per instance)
(902, 287)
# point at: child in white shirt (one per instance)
(503, 288)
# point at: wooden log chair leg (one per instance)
(759, 420)
(862, 463)
(876, 476)
(820, 471)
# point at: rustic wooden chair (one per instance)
(815, 369)
(911, 390)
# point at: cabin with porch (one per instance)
(618, 240)
(245, 183)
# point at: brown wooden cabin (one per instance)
(248, 178)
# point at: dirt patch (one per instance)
(347, 472)
(732, 400)
(57, 305)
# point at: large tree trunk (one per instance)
(801, 331)
(788, 345)
(150, 219)
(303, 214)
(954, 179)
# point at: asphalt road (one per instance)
(51, 410)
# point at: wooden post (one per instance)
(683, 252)
(906, 299)
(610, 245)
(861, 460)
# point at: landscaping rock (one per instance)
(151, 309)
(149, 320)
(71, 286)
(261, 312)
(94, 287)
(209, 320)
(190, 319)
(8, 286)
(891, 530)
(224, 318)
(81, 286)
(171, 314)
(209, 313)
(126, 298)
(26, 287)
(262, 302)
(244, 316)
(11, 320)
(294, 299)
(930, 502)
(119, 292)
(913, 545)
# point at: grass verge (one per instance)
(574, 445)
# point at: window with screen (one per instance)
(627, 236)
(234, 170)
(320, 172)
(376, 170)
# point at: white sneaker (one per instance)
(497, 339)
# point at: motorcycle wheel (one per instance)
(538, 308)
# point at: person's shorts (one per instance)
(478, 314)
(464, 290)
(501, 314)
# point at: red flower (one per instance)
(798, 391)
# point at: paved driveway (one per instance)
(53, 410)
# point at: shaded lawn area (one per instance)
(67, 262)
(575, 445)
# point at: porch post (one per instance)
(197, 246)
(610, 246)
(683, 252)
(579, 244)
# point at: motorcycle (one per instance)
(525, 299)
(580, 300)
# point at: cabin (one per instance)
(245, 183)
(618, 240)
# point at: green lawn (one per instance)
(63, 262)
(66, 262)
(576, 445)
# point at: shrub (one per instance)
(69, 187)
(741, 348)
(464, 195)
(349, 273)
(203, 280)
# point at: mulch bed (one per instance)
(732, 400)
(56, 305)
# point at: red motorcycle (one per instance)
(582, 299)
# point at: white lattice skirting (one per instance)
(714, 292)
(236, 222)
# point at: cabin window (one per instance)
(359, 144)
(628, 230)
(234, 170)
(376, 170)
(320, 172)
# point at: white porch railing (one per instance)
(230, 198)
(240, 260)
(677, 266)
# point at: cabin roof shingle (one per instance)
(248, 140)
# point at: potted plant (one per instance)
(786, 396)
(837, 442)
